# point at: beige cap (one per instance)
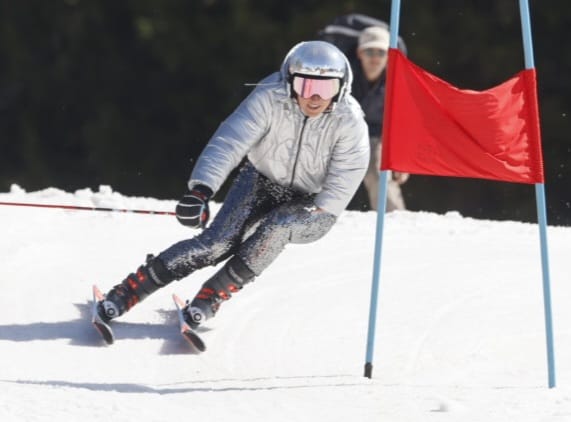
(374, 37)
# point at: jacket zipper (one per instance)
(298, 151)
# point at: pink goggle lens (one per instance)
(307, 87)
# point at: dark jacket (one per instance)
(371, 97)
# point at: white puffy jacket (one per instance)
(326, 155)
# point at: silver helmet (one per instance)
(320, 59)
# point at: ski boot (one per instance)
(135, 288)
(219, 288)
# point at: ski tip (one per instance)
(97, 295)
(178, 301)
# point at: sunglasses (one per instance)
(308, 87)
(374, 52)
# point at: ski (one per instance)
(101, 326)
(185, 330)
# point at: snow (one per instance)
(460, 330)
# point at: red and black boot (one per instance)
(220, 287)
(136, 287)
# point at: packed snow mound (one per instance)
(460, 328)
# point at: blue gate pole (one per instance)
(541, 210)
(381, 207)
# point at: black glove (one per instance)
(192, 209)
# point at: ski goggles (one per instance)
(308, 87)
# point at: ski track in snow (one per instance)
(460, 330)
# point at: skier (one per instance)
(306, 147)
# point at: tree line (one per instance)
(127, 92)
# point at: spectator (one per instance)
(369, 89)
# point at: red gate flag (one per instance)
(431, 127)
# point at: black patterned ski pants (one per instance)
(257, 220)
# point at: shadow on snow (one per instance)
(81, 333)
(217, 385)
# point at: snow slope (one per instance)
(460, 330)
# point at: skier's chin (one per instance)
(312, 107)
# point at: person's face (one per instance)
(312, 106)
(373, 62)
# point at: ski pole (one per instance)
(81, 208)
